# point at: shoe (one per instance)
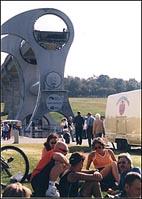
(16, 178)
(52, 191)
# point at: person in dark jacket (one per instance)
(78, 123)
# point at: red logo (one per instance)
(122, 107)
(122, 103)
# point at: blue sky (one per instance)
(107, 35)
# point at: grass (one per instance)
(84, 105)
(33, 152)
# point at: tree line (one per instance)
(100, 86)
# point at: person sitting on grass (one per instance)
(71, 178)
(132, 186)
(50, 142)
(48, 169)
(125, 165)
(104, 160)
(48, 145)
(17, 190)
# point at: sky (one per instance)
(107, 36)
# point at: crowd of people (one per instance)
(59, 174)
(81, 127)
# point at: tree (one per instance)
(120, 85)
(103, 80)
(101, 86)
(132, 84)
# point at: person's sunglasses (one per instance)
(63, 150)
(99, 147)
(53, 142)
(122, 162)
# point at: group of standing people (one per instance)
(90, 126)
(94, 127)
(6, 131)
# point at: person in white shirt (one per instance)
(89, 122)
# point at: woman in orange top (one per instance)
(50, 143)
(103, 159)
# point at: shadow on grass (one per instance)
(80, 148)
(131, 151)
(86, 149)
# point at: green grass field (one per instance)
(84, 105)
(33, 152)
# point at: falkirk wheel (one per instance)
(38, 57)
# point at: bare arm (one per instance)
(43, 153)
(88, 171)
(74, 176)
(89, 160)
(112, 155)
(60, 158)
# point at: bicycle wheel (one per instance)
(14, 165)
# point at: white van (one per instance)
(123, 119)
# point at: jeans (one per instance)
(78, 133)
(89, 135)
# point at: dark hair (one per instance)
(75, 158)
(89, 113)
(50, 136)
(17, 190)
(131, 177)
(98, 140)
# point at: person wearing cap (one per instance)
(69, 184)
(78, 123)
(104, 160)
(51, 165)
(89, 122)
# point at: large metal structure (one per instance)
(39, 58)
